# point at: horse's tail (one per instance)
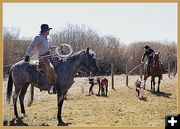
(31, 95)
(9, 87)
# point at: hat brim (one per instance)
(146, 47)
(42, 31)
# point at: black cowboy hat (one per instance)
(44, 28)
(146, 47)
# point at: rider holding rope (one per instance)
(45, 58)
(149, 53)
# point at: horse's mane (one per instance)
(82, 51)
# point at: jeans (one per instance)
(149, 64)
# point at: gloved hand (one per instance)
(26, 59)
(142, 62)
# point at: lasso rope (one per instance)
(134, 68)
(54, 55)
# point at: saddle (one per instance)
(36, 74)
(39, 67)
(32, 70)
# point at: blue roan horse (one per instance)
(23, 74)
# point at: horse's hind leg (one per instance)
(154, 85)
(159, 81)
(21, 98)
(31, 95)
(15, 97)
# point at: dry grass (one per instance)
(120, 108)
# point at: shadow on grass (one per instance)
(102, 95)
(163, 94)
(64, 124)
(15, 122)
(144, 99)
(18, 122)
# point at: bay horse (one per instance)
(66, 71)
(155, 71)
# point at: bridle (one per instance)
(88, 63)
(155, 60)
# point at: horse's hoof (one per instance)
(62, 124)
(17, 118)
(24, 115)
(29, 104)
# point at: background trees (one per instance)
(108, 48)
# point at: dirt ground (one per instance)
(121, 108)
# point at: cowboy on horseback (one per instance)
(45, 58)
(149, 53)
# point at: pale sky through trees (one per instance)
(129, 22)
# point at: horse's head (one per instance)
(156, 58)
(91, 64)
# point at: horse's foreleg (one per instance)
(60, 104)
(106, 89)
(15, 97)
(21, 99)
(159, 81)
(153, 84)
(59, 117)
